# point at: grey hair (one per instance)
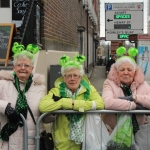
(125, 59)
(68, 68)
(23, 56)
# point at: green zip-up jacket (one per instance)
(60, 129)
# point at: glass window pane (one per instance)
(4, 3)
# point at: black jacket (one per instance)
(109, 63)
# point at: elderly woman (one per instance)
(72, 91)
(124, 90)
(19, 90)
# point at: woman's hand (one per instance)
(140, 107)
(11, 114)
(129, 98)
(56, 98)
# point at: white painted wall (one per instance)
(43, 60)
(6, 14)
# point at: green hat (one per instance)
(132, 52)
(76, 61)
(18, 49)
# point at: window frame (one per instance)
(7, 2)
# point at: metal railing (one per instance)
(25, 133)
(87, 112)
(37, 132)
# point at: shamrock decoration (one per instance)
(77, 61)
(32, 48)
(63, 60)
(17, 48)
(79, 58)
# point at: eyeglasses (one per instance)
(21, 65)
(69, 76)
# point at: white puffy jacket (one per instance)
(8, 94)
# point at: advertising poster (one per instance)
(100, 50)
(143, 58)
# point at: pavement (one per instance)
(98, 77)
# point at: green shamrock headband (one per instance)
(132, 52)
(76, 61)
(20, 49)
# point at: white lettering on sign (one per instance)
(120, 32)
(21, 6)
(115, 45)
(129, 32)
(114, 32)
(120, 22)
(119, 12)
(124, 5)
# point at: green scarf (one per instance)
(72, 117)
(21, 108)
(127, 92)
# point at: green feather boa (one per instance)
(75, 118)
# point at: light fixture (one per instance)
(94, 35)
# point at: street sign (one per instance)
(120, 34)
(129, 20)
(123, 19)
(115, 45)
(124, 6)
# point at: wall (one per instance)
(6, 14)
(44, 59)
(60, 22)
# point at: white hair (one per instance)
(68, 68)
(123, 60)
(22, 55)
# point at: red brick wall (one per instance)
(60, 19)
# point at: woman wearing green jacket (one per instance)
(72, 91)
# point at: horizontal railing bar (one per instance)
(37, 137)
(101, 111)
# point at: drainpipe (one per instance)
(87, 43)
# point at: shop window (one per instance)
(4, 3)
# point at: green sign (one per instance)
(122, 16)
(123, 36)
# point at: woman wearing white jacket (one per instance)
(18, 90)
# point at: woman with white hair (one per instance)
(125, 90)
(72, 91)
(19, 90)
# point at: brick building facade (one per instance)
(68, 25)
(59, 25)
